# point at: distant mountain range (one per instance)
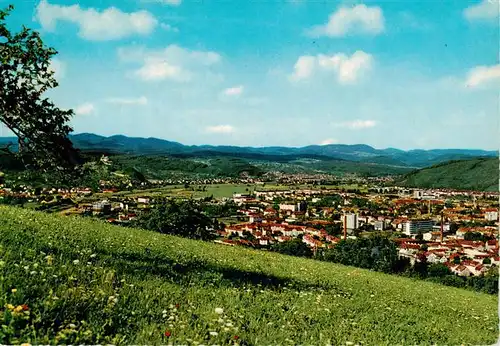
(120, 144)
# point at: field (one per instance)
(70, 280)
(216, 190)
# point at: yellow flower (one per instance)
(9, 306)
(25, 344)
(18, 308)
(14, 290)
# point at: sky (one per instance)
(394, 73)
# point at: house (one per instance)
(460, 270)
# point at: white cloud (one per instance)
(85, 109)
(220, 129)
(348, 69)
(304, 67)
(95, 25)
(486, 9)
(168, 27)
(356, 124)
(58, 67)
(234, 91)
(142, 101)
(165, 2)
(482, 75)
(329, 141)
(359, 19)
(172, 63)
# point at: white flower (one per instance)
(219, 311)
(76, 261)
(33, 272)
(72, 326)
(214, 333)
(93, 255)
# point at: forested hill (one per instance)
(476, 174)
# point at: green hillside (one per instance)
(76, 281)
(478, 174)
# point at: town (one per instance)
(456, 228)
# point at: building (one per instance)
(491, 215)
(418, 194)
(412, 227)
(351, 222)
(102, 207)
(379, 225)
(288, 207)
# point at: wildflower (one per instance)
(72, 326)
(76, 261)
(219, 311)
(9, 306)
(93, 255)
(349, 343)
(236, 337)
(25, 344)
(25, 307)
(214, 333)
(33, 272)
(167, 333)
(14, 290)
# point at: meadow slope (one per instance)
(72, 280)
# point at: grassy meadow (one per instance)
(70, 280)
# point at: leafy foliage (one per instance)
(25, 75)
(294, 247)
(377, 253)
(184, 219)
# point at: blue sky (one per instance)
(404, 74)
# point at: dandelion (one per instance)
(219, 311)
(14, 290)
(214, 333)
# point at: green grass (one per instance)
(88, 282)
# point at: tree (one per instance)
(376, 252)
(293, 247)
(438, 270)
(41, 127)
(178, 218)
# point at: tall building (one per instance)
(412, 227)
(351, 221)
